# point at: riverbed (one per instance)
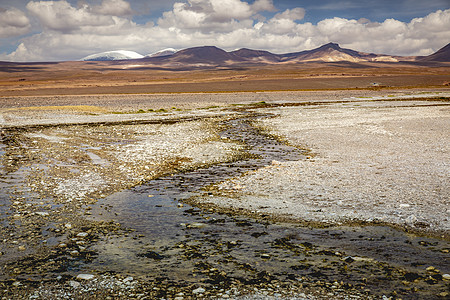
(306, 200)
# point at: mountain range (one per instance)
(213, 56)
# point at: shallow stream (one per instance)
(187, 245)
(181, 245)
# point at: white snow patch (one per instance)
(113, 55)
(164, 52)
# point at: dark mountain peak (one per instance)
(333, 46)
(442, 55)
(251, 53)
(203, 50)
(245, 53)
(203, 54)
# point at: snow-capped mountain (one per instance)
(113, 55)
(164, 52)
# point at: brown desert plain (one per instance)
(157, 179)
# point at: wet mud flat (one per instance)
(153, 238)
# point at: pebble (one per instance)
(199, 291)
(85, 276)
(74, 284)
(42, 213)
(22, 248)
(68, 226)
(432, 269)
(446, 276)
(197, 225)
(275, 163)
(82, 234)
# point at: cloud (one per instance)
(70, 32)
(113, 8)
(13, 22)
(214, 15)
(285, 23)
(263, 5)
(391, 36)
(294, 14)
(61, 16)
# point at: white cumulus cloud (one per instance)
(69, 32)
(214, 15)
(113, 8)
(62, 16)
(13, 22)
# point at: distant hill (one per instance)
(442, 55)
(201, 55)
(330, 52)
(327, 53)
(257, 55)
(212, 56)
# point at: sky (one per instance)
(72, 29)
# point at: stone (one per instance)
(197, 225)
(432, 269)
(198, 291)
(42, 213)
(74, 284)
(82, 234)
(85, 276)
(22, 248)
(275, 163)
(446, 276)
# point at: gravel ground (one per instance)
(370, 161)
(131, 102)
(376, 161)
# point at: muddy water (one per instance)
(186, 245)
